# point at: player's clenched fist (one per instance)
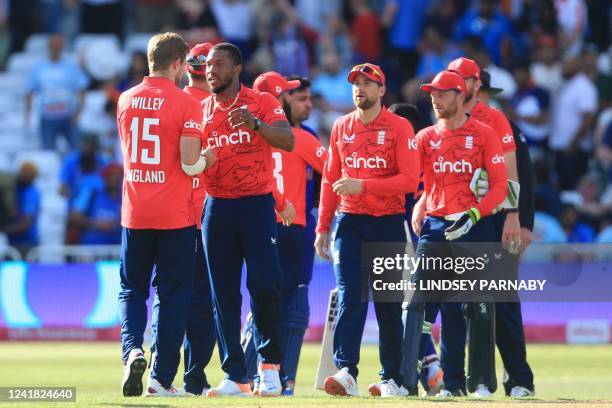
(241, 116)
(322, 245)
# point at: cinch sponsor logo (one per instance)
(192, 124)
(320, 151)
(507, 139)
(355, 162)
(442, 166)
(497, 159)
(241, 136)
(279, 111)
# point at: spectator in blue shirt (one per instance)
(60, 85)
(530, 109)
(488, 23)
(22, 229)
(97, 210)
(81, 169)
(575, 230)
(404, 19)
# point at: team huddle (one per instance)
(218, 175)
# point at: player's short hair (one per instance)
(304, 83)
(232, 50)
(196, 77)
(164, 49)
(407, 111)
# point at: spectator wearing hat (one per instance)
(97, 209)
(22, 229)
(60, 85)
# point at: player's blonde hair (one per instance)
(164, 49)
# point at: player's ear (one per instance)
(382, 90)
(238, 69)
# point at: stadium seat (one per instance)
(21, 62)
(83, 41)
(37, 44)
(93, 118)
(137, 42)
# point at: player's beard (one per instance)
(469, 95)
(226, 82)
(366, 103)
(448, 112)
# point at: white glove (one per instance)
(463, 225)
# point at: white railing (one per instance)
(73, 253)
(9, 253)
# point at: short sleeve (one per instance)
(587, 99)
(192, 118)
(271, 109)
(83, 199)
(80, 79)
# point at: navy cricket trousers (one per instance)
(200, 335)
(173, 254)
(237, 230)
(453, 333)
(509, 330)
(352, 231)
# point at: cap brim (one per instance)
(492, 91)
(294, 84)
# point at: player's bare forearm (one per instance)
(279, 135)
(511, 171)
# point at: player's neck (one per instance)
(203, 85)
(162, 74)
(368, 115)
(456, 121)
(229, 93)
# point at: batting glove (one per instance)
(480, 183)
(480, 186)
(463, 225)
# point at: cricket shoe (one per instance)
(375, 390)
(389, 388)
(133, 370)
(229, 388)
(155, 389)
(195, 394)
(432, 375)
(521, 392)
(445, 394)
(269, 380)
(289, 389)
(341, 384)
(482, 391)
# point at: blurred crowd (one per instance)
(552, 58)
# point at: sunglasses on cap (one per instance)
(196, 60)
(366, 69)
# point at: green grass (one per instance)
(563, 374)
